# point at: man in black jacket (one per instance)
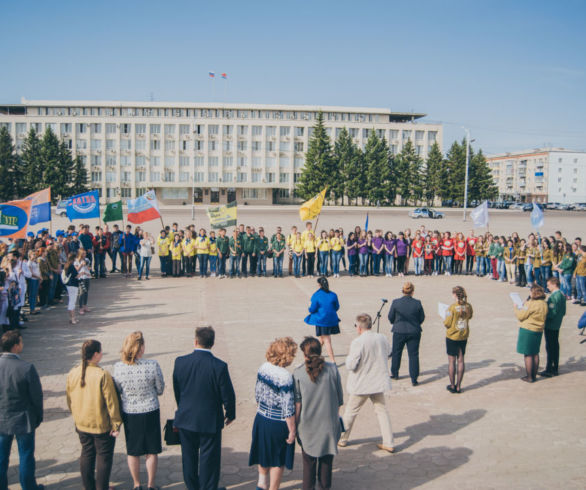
(21, 410)
(406, 316)
(205, 403)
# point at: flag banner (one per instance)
(224, 76)
(311, 209)
(223, 216)
(143, 208)
(479, 215)
(14, 218)
(211, 74)
(536, 216)
(366, 223)
(41, 206)
(113, 212)
(83, 206)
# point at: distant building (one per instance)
(209, 153)
(543, 175)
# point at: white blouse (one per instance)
(139, 385)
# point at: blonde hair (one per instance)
(133, 343)
(537, 292)
(408, 288)
(282, 351)
(462, 298)
(364, 321)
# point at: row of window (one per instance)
(155, 161)
(170, 176)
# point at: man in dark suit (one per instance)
(406, 316)
(205, 403)
(21, 410)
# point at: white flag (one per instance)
(536, 216)
(479, 215)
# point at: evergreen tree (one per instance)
(391, 185)
(56, 165)
(7, 162)
(408, 174)
(431, 179)
(355, 175)
(29, 166)
(79, 178)
(481, 184)
(345, 154)
(376, 165)
(456, 167)
(319, 170)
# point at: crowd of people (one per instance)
(37, 271)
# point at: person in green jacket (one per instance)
(223, 244)
(235, 244)
(556, 310)
(278, 247)
(261, 246)
(566, 269)
(247, 253)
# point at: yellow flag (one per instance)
(311, 209)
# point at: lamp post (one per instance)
(467, 167)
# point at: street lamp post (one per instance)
(467, 166)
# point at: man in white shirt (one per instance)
(368, 379)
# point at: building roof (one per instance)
(530, 153)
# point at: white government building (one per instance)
(543, 175)
(209, 152)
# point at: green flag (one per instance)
(113, 212)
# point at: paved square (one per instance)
(499, 433)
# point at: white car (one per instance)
(61, 210)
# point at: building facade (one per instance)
(543, 175)
(205, 153)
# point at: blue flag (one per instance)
(536, 216)
(366, 223)
(83, 206)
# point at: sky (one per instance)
(512, 72)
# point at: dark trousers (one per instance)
(100, 264)
(552, 347)
(253, 264)
(97, 452)
(469, 264)
(246, 256)
(412, 341)
(127, 263)
(176, 267)
(201, 457)
(317, 470)
(26, 456)
(310, 263)
(222, 264)
(163, 259)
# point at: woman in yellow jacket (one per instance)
(189, 253)
(93, 402)
(202, 244)
(297, 246)
(309, 246)
(336, 242)
(176, 253)
(531, 323)
(457, 333)
(323, 245)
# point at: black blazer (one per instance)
(203, 391)
(406, 315)
(21, 396)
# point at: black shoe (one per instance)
(546, 374)
(451, 389)
(394, 377)
(415, 383)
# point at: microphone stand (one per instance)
(378, 315)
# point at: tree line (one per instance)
(376, 176)
(43, 162)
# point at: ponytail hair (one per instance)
(462, 298)
(88, 349)
(323, 283)
(131, 348)
(314, 362)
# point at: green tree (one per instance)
(355, 175)
(456, 169)
(481, 184)
(345, 153)
(319, 170)
(29, 166)
(376, 165)
(408, 174)
(432, 174)
(56, 165)
(7, 163)
(79, 177)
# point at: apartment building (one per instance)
(209, 153)
(543, 175)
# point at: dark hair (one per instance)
(10, 339)
(88, 349)
(554, 280)
(536, 292)
(205, 337)
(314, 362)
(323, 284)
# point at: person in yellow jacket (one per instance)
(531, 324)
(458, 329)
(189, 253)
(213, 256)
(324, 247)
(93, 402)
(297, 246)
(163, 243)
(290, 240)
(202, 245)
(176, 249)
(309, 245)
(336, 244)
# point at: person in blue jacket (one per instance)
(582, 324)
(322, 314)
(127, 248)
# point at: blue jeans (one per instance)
(376, 262)
(323, 263)
(352, 264)
(33, 293)
(222, 265)
(234, 265)
(545, 275)
(502, 270)
(336, 257)
(437, 264)
(144, 262)
(297, 264)
(203, 264)
(389, 260)
(164, 263)
(480, 269)
(448, 263)
(537, 275)
(261, 266)
(26, 456)
(100, 264)
(567, 284)
(53, 285)
(529, 273)
(213, 261)
(581, 288)
(278, 265)
(418, 265)
(363, 260)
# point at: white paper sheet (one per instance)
(442, 310)
(516, 298)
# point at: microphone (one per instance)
(384, 300)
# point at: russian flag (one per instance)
(224, 76)
(40, 206)
(212, 74)
(143, 208)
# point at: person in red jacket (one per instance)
(101, 246)
(428, 256)
(470, 252)
(447, 248)
(459, 253)
(417, 248)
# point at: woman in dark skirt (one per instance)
(139, 383)
(531, 323)
(273, 433)
(322, 314)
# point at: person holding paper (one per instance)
(531, 323)
(456, 322)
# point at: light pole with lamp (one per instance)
(468, 141)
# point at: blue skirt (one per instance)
(327, 330)
(269, 446)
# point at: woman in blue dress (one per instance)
(322, 314)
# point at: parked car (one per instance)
(529, 206)
(516, 205)
(580, 206)
(426, 213)
(61, 210)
